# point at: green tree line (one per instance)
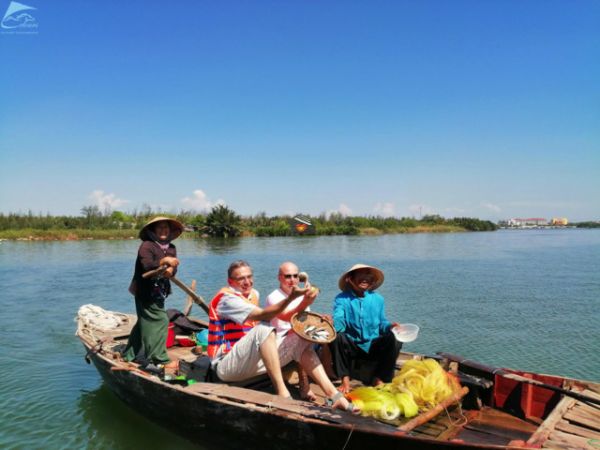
(222, 221)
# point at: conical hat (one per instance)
(175, 226)
(378, 274)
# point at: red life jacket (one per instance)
(224, 333)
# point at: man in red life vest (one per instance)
(241, 347)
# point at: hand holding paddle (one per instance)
(162, 269)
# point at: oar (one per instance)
(515, 377)
(198, 299)
(189, 301)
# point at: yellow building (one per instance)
(560, 221)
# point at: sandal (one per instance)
(333, 402)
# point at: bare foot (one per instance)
(172, 367)
(377, 381)
(340, 402)
(285, 394)
(344, 388)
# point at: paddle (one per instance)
(198, 299)
(514, 376)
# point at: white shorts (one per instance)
(244, 360)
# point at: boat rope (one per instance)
(96, 348)
(348, 439)
(90, 332)
(461, 420)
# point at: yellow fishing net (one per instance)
(418, 386)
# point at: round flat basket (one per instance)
(313, 327)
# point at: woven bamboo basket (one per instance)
(301, 321)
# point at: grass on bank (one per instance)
(30, 234)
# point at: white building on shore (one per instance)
(526, 223)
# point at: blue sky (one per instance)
(487, 109)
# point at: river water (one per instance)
(521, 299)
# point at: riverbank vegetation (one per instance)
(588, 224)
(221, 221)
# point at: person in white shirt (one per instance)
(241, 346)
(288, 277)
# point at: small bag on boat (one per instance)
(183, 325)
(198, 370)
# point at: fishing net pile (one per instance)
(417, 387)
(97, 318)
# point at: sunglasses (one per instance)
(289, 276)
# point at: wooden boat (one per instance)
(502, 409)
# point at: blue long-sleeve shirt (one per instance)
(361, 318)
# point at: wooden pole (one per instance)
(189, 301)
(437, 409)
(198, 299)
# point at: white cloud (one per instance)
(343, 209)
(384, 209)
(491, 206)
(199, 201)
(106, 201)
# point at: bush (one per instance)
(222, 222)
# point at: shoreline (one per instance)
(92, 235)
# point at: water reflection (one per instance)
(109, 423)
(218, 246)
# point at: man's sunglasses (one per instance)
(289, 276)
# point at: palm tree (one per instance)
(222, 222)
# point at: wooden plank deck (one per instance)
(572, 424)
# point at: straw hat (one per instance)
(378, 274)
(175, 226)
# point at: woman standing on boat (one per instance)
(147, 342)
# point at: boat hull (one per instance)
(229, 425)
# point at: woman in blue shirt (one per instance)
(363, 331)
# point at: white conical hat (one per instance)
(378, 274)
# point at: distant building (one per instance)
(531, 222)
(560, 221)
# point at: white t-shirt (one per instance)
(234, 308)
(275, 297)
